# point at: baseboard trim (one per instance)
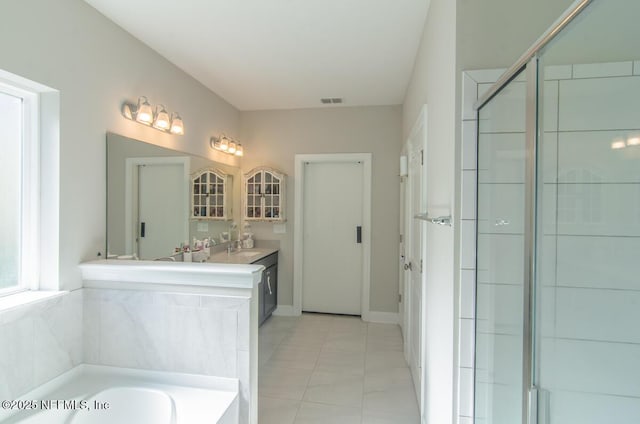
(285, 311)
(383, 317)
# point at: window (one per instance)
(19, 189)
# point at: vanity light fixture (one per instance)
(224, 144)
(144, 113)
(227, 145)
(177, 127)
(160, 119)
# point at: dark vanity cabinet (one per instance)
(268, 287)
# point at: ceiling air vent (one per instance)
(333, 100)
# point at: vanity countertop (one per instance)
(241, 256)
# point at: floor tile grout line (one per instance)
(384, 343)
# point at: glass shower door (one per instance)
(587, 337)
(500, 264)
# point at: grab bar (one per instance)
(441, 220)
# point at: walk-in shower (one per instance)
(558, 227)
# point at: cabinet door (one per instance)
(264, 195)
(270, 289)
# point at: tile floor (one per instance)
(333, 369)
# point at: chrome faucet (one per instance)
(233, 245)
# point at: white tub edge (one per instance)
(162, 377)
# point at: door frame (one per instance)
(298, 242)
(419, 124)
(131, 193)
(402, 248)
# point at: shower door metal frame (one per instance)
(528, 63)
(529, 392)
(573, 11)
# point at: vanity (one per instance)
(267, 285)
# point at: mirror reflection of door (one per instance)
(160, 203)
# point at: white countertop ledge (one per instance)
(172, 273)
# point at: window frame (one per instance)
(29, 233)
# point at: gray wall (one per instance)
(495, 33)
(272, 138)
(69, 46)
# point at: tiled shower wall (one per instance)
(590, 224)
(474, 83)
(590, 297)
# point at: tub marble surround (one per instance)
(188, 318)
(177, 332)
(40, 340)
(199, 318)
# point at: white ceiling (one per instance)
(283, 54)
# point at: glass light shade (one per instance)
(232, 148)
(144, 113)
(224, 144)
(162, 121)
(177, 127)
(239, 150)
(618, 144)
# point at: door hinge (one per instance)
(420, 266)
(399, 298)
(401, 238)
(421, 157)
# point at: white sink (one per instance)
(242, 256)
(247, 253)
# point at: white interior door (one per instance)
(414, 254)
(161, 209)
(332, 259)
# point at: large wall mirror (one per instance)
(158, 198)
